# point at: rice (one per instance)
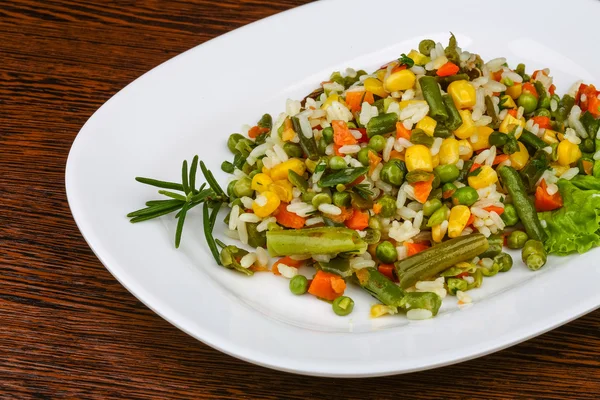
(418, 220)
(570, 173)
(406, 213)
(497, 220)
(402, 252)
(330, 209)
(435, 148)
(248, 260)
(247, 202)
(418, 314)
(575, 123)
(242, 231)
(350, 149)
(389, 145)
(233, 217)
(287, 271)
(495, 65)
(279, 152)
(481, 157)
(386, 187)
(463, 297)
(480, 212)
(415, 206)
(571, 136)
(490, 159)
(262, 257)
(367, 112)
(552, 189)
(260, 200)
(401, 199)
(321, 257)
(292, 107)
(232, 234)
(360, 263)
(376, 172)
(313, 221)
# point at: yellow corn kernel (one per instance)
(449, 151)
(468, 128)
(463, 94)
(515, 90)
(550, 136)
(568, 153)
(436, 160)
(418, 157)
(283, 189)
(509, 120)
(400, 80)
(280, 171)
(405, 103)
(459, 216)
(436, 233)
(266, 171)
(559, 169)
(332, 97)
(481, 139)
(507, 102)
(465, 150)
(520, 158)
(261, 182)
(381, 73)
(379, 310)
(375, 86)
(288, 135)
(418, 58)
(427, 125)
(487, 176)
(265, 203)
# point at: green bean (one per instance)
(380, 287)
(341, 199)
(229, 257)
(495, 242)
(380, 104)
(256, 238)
(491, 271)
(587, 145)
(534, 169)
(309, 146)
(418, 175)
(425, 46)
(373, 236)
(445, 81)
(418, 136)
(509, 216)
(375, 223)
(422, 300)
(491, 110)
(293, 149)
(344, 176)
(529, 139)
(360, 202)
(533, 254)
(505, 262)
(456, 284)
(465, 196)
(442, 131)
(382, 124)
(431, 206)
(520, 69)
(243, 187)
(325, 240)
(392, 173)
(298, 285)
(343, 306)
(514, 185)
(234, 138)
(528, 101)
(298, 181)
(454, 119)
(265, 122)
(498, 139)
(542, 112)
(377, 143)
(386, 252)
(516, 240)
(543, 98)
(339, 266)
(433, 96)
(321, 198)
(388, 206)
(465, 170)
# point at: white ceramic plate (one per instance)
(190, 104)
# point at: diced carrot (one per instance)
(374, 161)
(346, 214)
(474, 167)
(529, 88)
(497, 76)
(496, 209)
(470, 220)
(369, 98)
(255, 131)
(588, 166)
(341, 134)
(377, 208)
(552, 89)
(500, 158)
(257, 268)
(448, 69)
(387, 270)
(288, 219)
(336, 150)
(543, 122)
(327, 286)
(398, 68)
(356, 181)
(545, 201)
(535, 73)
(354, 100)
(593, 105)
(290, 262)
(401, 131)
(359, 220)
(396, 155)
(513, 112)
(423, 189)
(462, 274)
(414, 248)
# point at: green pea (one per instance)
(253, 173)
(292, 149)
(587, 145)
(542, 112)
(448, 190)
(447, 172)
(308, 197)
(243, 187)
(533, 254)
(392, 173)
(465, 196)
(528, 101)
(425, 46)
(372, 236)
(233, 140)
(375, 223)
(228, 167)
(504, 261)
(321, 198)
(431, 206)
(341, 199)
(340, 187)
(337, 162)
(388, 206)
(439, 216)
(351, 125)
(456, 284)
(321, 147)
(230, 187)
(363, 156)
(377, 143)
(386, 252)
(327, 134)
(247, 168)
(298, 284)
(343, 306)
(516, 240)
(510, 216)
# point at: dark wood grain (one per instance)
(68, 329)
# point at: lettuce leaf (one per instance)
(576, 226)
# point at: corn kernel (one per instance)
(459, 216)
(463, 94)
(332, 97)
(481, 140)
(436, 160)
(520, 158)
(507, 102)
(449, 151)
(405, 103)
(468, 128)
(515, 90)
(381, 73)
(559, 169)
(427, 125)
(436, 233)
(288, 135)
(418, 157)
(568, 153)
(378, 310)
(280, 171)
(375, 86)
(400, 80)
(261, 182)
(272, 202)
(465, 150)
(283, 189)
(550, 136)
(418, 58)
(508, 124)
(487, 176)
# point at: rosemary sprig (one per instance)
(210, 240)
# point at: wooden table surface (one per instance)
(68, 329)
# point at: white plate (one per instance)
(193, 102)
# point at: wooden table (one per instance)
(68, 329)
